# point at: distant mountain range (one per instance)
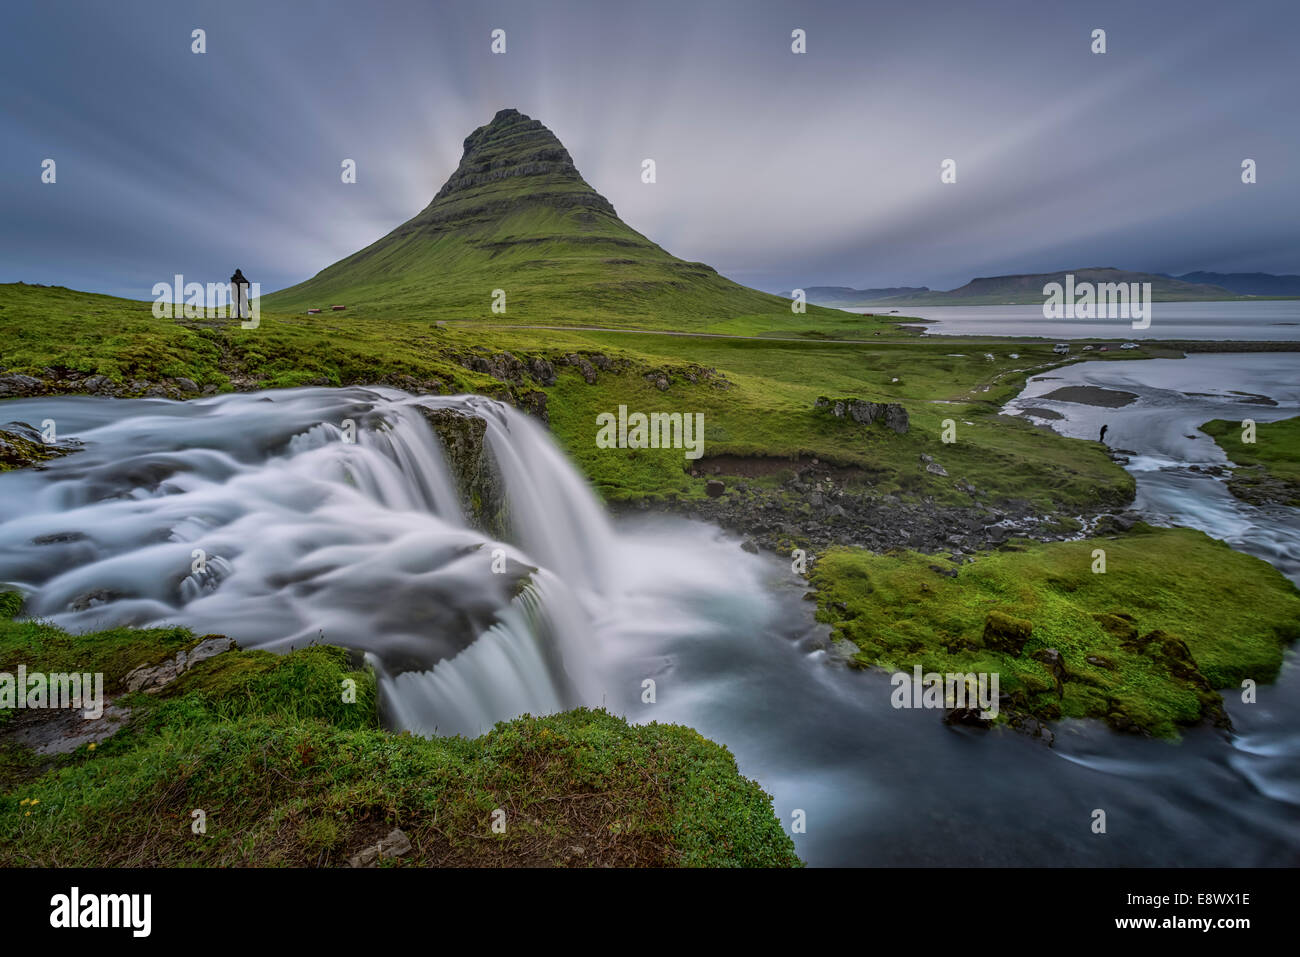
(1027, 288)
(1247, 283)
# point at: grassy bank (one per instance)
(1268, 469)
(1143, 646)
(287, 773)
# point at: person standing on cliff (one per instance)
(239, 293)
(1102, 437)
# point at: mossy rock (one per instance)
(1003, 632)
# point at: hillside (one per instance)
(1261, 284)
(516, 215)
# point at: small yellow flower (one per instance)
(91, 746)
(27, 814)
(24, 802)
(35, 801)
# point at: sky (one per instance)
(779, 169)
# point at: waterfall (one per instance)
(313, 515)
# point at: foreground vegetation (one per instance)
(287, 773)
(1143, 646)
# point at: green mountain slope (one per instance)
(517, 216)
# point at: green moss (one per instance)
(287, 772)
(1175, 615)
(1269, 468)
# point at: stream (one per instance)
(306, 536)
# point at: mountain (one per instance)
(842, 297)
(517, 216)
(1027, 288)
(1248, 283)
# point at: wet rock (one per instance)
(714, 488)
(90, 599)
(187, 385)
(473, 469)
(969, 717)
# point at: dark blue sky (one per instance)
(778, 169)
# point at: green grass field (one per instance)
(1218, 617)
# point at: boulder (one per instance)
(1003, 632)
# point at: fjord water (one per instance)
(1245, 320)
(311, 538)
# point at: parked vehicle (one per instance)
(1061, 348)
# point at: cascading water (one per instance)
(309, 538)
(276, 520)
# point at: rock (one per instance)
(750, 546)
(843, 648)
(474, 471)
(934, 468)
(1055, 665)
(90, 599)
(969, 717)
(714, 488)
(661, 384)
(187, 385)
(394, 845)
(896, 418)
(1119, 625)
(16, 385)
(1003, 632)
(584, 367)
(1100, 661)
(63, 730)
(151, 678)
(542, 370)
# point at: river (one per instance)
(1276, 319)
(310, 537)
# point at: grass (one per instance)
(1270, 465)
(1175, 615)
(768, 411)
(288, 774)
